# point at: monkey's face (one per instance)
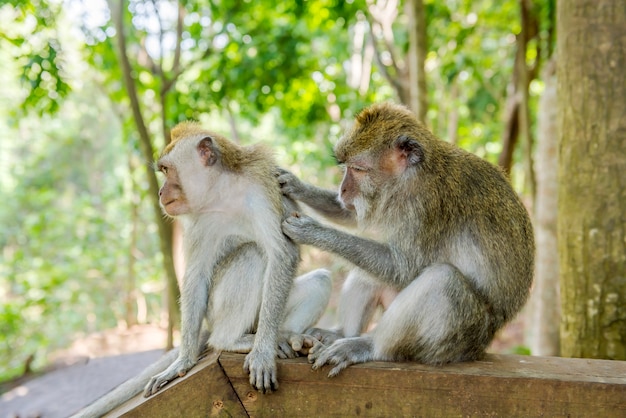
(171, 196)
(371, 177)
(354, 178)
(359, 185)
(191, 176)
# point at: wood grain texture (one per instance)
(500, 385)
(497, 386)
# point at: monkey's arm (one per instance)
(325, 202)
(380, 260)
(282, 264)
(194, 299)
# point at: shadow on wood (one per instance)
(500, 385)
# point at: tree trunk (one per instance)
(416, 59)
(592, 177)
(130, 291)
(524, 78)
(544, 312)
(165, 227)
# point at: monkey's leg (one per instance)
(307, 301)
(306, 304)
(234, 304)
(360, 295)
(438, 318)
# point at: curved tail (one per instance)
(126, 390)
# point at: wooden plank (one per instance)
(511, 386)
(204, 391)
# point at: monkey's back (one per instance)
(496, 221)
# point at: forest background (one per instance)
(91, 88)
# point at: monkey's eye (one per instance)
(358, 168)
(163, 169)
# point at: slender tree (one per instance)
(591, 53)
(165, 227)
(544, 312)
(418, 48)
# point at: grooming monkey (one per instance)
(240, 267)
(453, 258)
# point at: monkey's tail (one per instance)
(128, 389)
(132, 386)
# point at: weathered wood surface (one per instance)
(505, 386)
(500, 385)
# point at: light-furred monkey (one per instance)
(453, 241)
(240, 267)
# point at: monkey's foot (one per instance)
(342, 353)
(179, 368)
(262, 369)
(325, 336)
(292, 345)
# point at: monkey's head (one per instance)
(192, 164)
(384, 147)
(204, 170)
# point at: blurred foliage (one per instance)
(257, 70)
(37, 45)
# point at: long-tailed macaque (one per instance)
(453, 241)
(240, 267)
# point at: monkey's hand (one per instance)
(179, 368)
(342, 353)
(290, 185)
(262, 369)
(302, 229)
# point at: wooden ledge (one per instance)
(499, 385)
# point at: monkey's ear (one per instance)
(410, 150)
(207, 151)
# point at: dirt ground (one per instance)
(83, 373)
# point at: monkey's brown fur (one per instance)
(453, 239)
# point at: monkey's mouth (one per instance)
(347, 205)
(169, 202)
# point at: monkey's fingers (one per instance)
(153, 386)
(279, 171)
(338, 368)
(262, 372)
(324, 335)
(300, 342)
(286, 350)
(264, 381)
(317, 354)
(330, 356)
(296, 341)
